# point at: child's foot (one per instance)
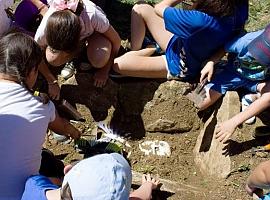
(246, 101)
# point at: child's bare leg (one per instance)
(140, 66)
(143, 16)
(143, 52)
(144, 192)
(98, 50)
(211, 97)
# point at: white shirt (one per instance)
(92, 19)
(4, 20)
(23, 125)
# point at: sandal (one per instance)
(68, 70)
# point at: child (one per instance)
(104, 176)
(68, 28)
(188, 36)
(24, 119)
(25, 15)
(28, 13)
(249, 70)
(258, 180)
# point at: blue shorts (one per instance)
(226, 80)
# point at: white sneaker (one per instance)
(68, 70)
(246, 101)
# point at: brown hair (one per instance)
(218, 8)
(19, 55)
(63, 30)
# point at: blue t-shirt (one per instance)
(36, 186)
(198, 35)
(245, 64)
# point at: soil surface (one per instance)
(180, 166)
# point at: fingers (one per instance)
(222, 136)
(148, 179)
(202, 77)
(210, 74)
(99, 83)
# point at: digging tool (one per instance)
(198, 94)
(260, 149)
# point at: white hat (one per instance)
(101, 177)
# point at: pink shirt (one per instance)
(92, 19)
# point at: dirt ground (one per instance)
(180, 166)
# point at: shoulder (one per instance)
(242, 40)
(36, 186)
(193, 17)
(90, 7)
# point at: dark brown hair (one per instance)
(63, 30)
(218, 8)
(19, 55)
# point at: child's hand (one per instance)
(207, 71)
(54, 91)
(147, 180)
(225, 130)
(100, 78)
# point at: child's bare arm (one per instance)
(160, 7)
(53, 87)
(227, 128)
(208, 68)
(144, 192)
(64, 127)
(259, 178)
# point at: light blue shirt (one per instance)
(245, 64)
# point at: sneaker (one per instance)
(68, 70)
(246, 101)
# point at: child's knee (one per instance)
(140, 8)
(99, 56)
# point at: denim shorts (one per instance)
(226, 80)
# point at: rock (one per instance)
(169, 110)
(208, 151)
(160, 124)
